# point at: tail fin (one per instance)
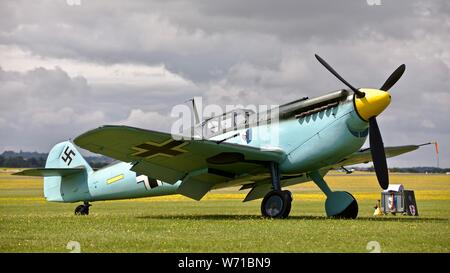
(65, 174)
(65, 155)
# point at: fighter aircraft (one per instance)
(315, 136)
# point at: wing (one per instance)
(364, 155)
(259, 190)
(200, 164)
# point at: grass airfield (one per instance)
(222, 223)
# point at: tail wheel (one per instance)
(82, 209)
(276, 204)
(79, 210)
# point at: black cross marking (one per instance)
(169, 148)
(149, 182)
(68, 155)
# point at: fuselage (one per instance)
(310, 142)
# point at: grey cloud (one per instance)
(41, 107)
(245, 52)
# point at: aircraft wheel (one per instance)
(351, 211)
(276, 204)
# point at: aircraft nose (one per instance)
(373, 103)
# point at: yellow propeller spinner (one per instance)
(373, 103)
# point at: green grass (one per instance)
(222, 223)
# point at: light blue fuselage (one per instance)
(310, 143)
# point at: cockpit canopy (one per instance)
(229, 121)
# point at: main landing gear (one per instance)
(83, 209)
(276, 203)
(339, 204)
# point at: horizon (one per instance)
(368, 165)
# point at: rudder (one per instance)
(69, 188)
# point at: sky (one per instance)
(67, 66)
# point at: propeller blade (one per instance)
(378, 154)
(359, 94)
(393, 78)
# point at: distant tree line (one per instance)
(10, 159)
(20, 162)
(409, 169)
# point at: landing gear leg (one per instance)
(277, 203)
(339, 204)
(83, 209)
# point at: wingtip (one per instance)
(79, 139)
(427, 143)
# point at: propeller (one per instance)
(358, 93)
(376, 142)
(393, 78)
(378, 155)
(375, 139)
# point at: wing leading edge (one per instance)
(364, 155)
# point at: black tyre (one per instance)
(288, 204)
(79, 210)
(86, 209)
(276, 204)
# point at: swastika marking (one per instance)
(68, 156)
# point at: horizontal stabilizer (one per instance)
(50, 171)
